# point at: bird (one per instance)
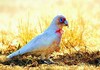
(45, 43)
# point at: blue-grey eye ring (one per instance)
(61, 20)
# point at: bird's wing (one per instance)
(25, 48)
(43, 40)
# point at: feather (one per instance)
(42, 41)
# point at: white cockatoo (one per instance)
(47, 42)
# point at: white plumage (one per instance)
(45, 43)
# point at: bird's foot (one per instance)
(49, 61)
(46, 61)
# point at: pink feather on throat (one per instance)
(59, 32)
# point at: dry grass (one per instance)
(21, 21)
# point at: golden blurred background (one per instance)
(22, 20)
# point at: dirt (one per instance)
(67, 59)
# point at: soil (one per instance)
(67, 59)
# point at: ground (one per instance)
(75, 61)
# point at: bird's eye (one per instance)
(62, 20)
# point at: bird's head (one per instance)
(60, 21)
(57, 24)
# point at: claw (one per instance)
(46, 61)
(49, 61)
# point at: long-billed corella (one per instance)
(47, 42)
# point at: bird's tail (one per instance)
(13, 54)
(19, 52)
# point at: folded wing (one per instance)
(43, 40)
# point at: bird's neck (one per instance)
(53, 28)
(59, 32)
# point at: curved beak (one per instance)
(66, 23)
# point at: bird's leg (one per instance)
(45, 59)
(50, 61)
(42, 58)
